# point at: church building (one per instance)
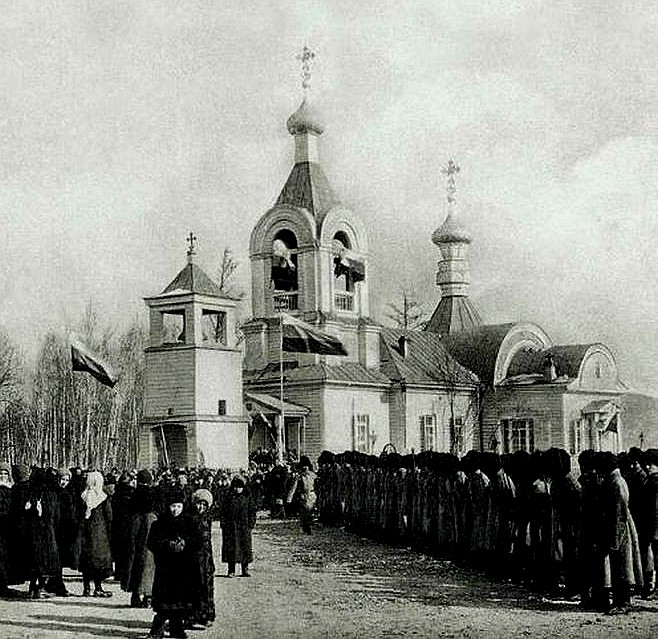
(456, 385)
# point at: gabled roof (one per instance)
(454, 314)
(425, 361)
(193, 279)
(477, 349)
(307, 187)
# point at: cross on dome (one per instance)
(192, 242)
(450, 170)
(306, 58)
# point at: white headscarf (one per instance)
(93, 495)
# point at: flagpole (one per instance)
(282, 414)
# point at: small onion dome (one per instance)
(450, 231)
(305, 120)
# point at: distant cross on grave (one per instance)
(306, 58)
(191, 240)
(450, 170)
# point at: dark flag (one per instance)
(300, 337)
(86, 361)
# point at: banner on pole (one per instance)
(300, 337)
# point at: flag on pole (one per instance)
(300, 337)
(83, 359)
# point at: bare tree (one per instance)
(409, 315)
(226, 273)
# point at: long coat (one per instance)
(139, 568)
(38, 528)
(67, 527)
(5, 539)
(620, 533)
(238, 517)
(174, 542)
(95, 550)
(205, 606)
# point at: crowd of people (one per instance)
(521, 517)
(151, 531)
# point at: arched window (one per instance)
(348, 269)
(284, 271)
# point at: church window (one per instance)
(457, 435)
(348, 270)
(597, 370)
(284, 261)
(428, 432)
(173, 327)
(213, 327)
(518, 434)
(362, 435)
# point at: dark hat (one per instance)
(144, 477)
(237, 482)
(174, 496)
(650, 456)
(21, 473)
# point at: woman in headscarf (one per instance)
(204, 612)
(5, 526)
(238, 517)
(95, 533)
(174, 542)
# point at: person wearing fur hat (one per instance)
(139, 568)
(204, 612)
(66, 530)
(174, 542)
(5, 526)
(237, 519)
(303, 486)
(95, 534)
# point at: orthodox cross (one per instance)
(450, 170)
(191, 240)
(306, 57)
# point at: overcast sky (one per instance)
(126, 124)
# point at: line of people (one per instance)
(521, 517)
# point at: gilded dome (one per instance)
(305, 119)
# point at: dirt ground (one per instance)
(332, 584)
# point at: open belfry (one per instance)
(457, 384)
(193, 407)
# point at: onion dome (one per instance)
(451, 231)
(305, 120)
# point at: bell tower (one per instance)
(309, 255)
(193, 410)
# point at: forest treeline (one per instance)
(53, 416)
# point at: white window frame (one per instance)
(457, 443)
(429, 435)
(518, 434)
(361, 432)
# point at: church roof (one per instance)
(307, 187)
(192, 279)
(274, 403)
(424, 360)
(477, 349)
(453, 314)
(349, 372)
(566, 357)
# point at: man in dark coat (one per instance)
(5, 527)
(650, 532)
(174, 542)
(66, 531)
(120, 542)
(238, 518)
